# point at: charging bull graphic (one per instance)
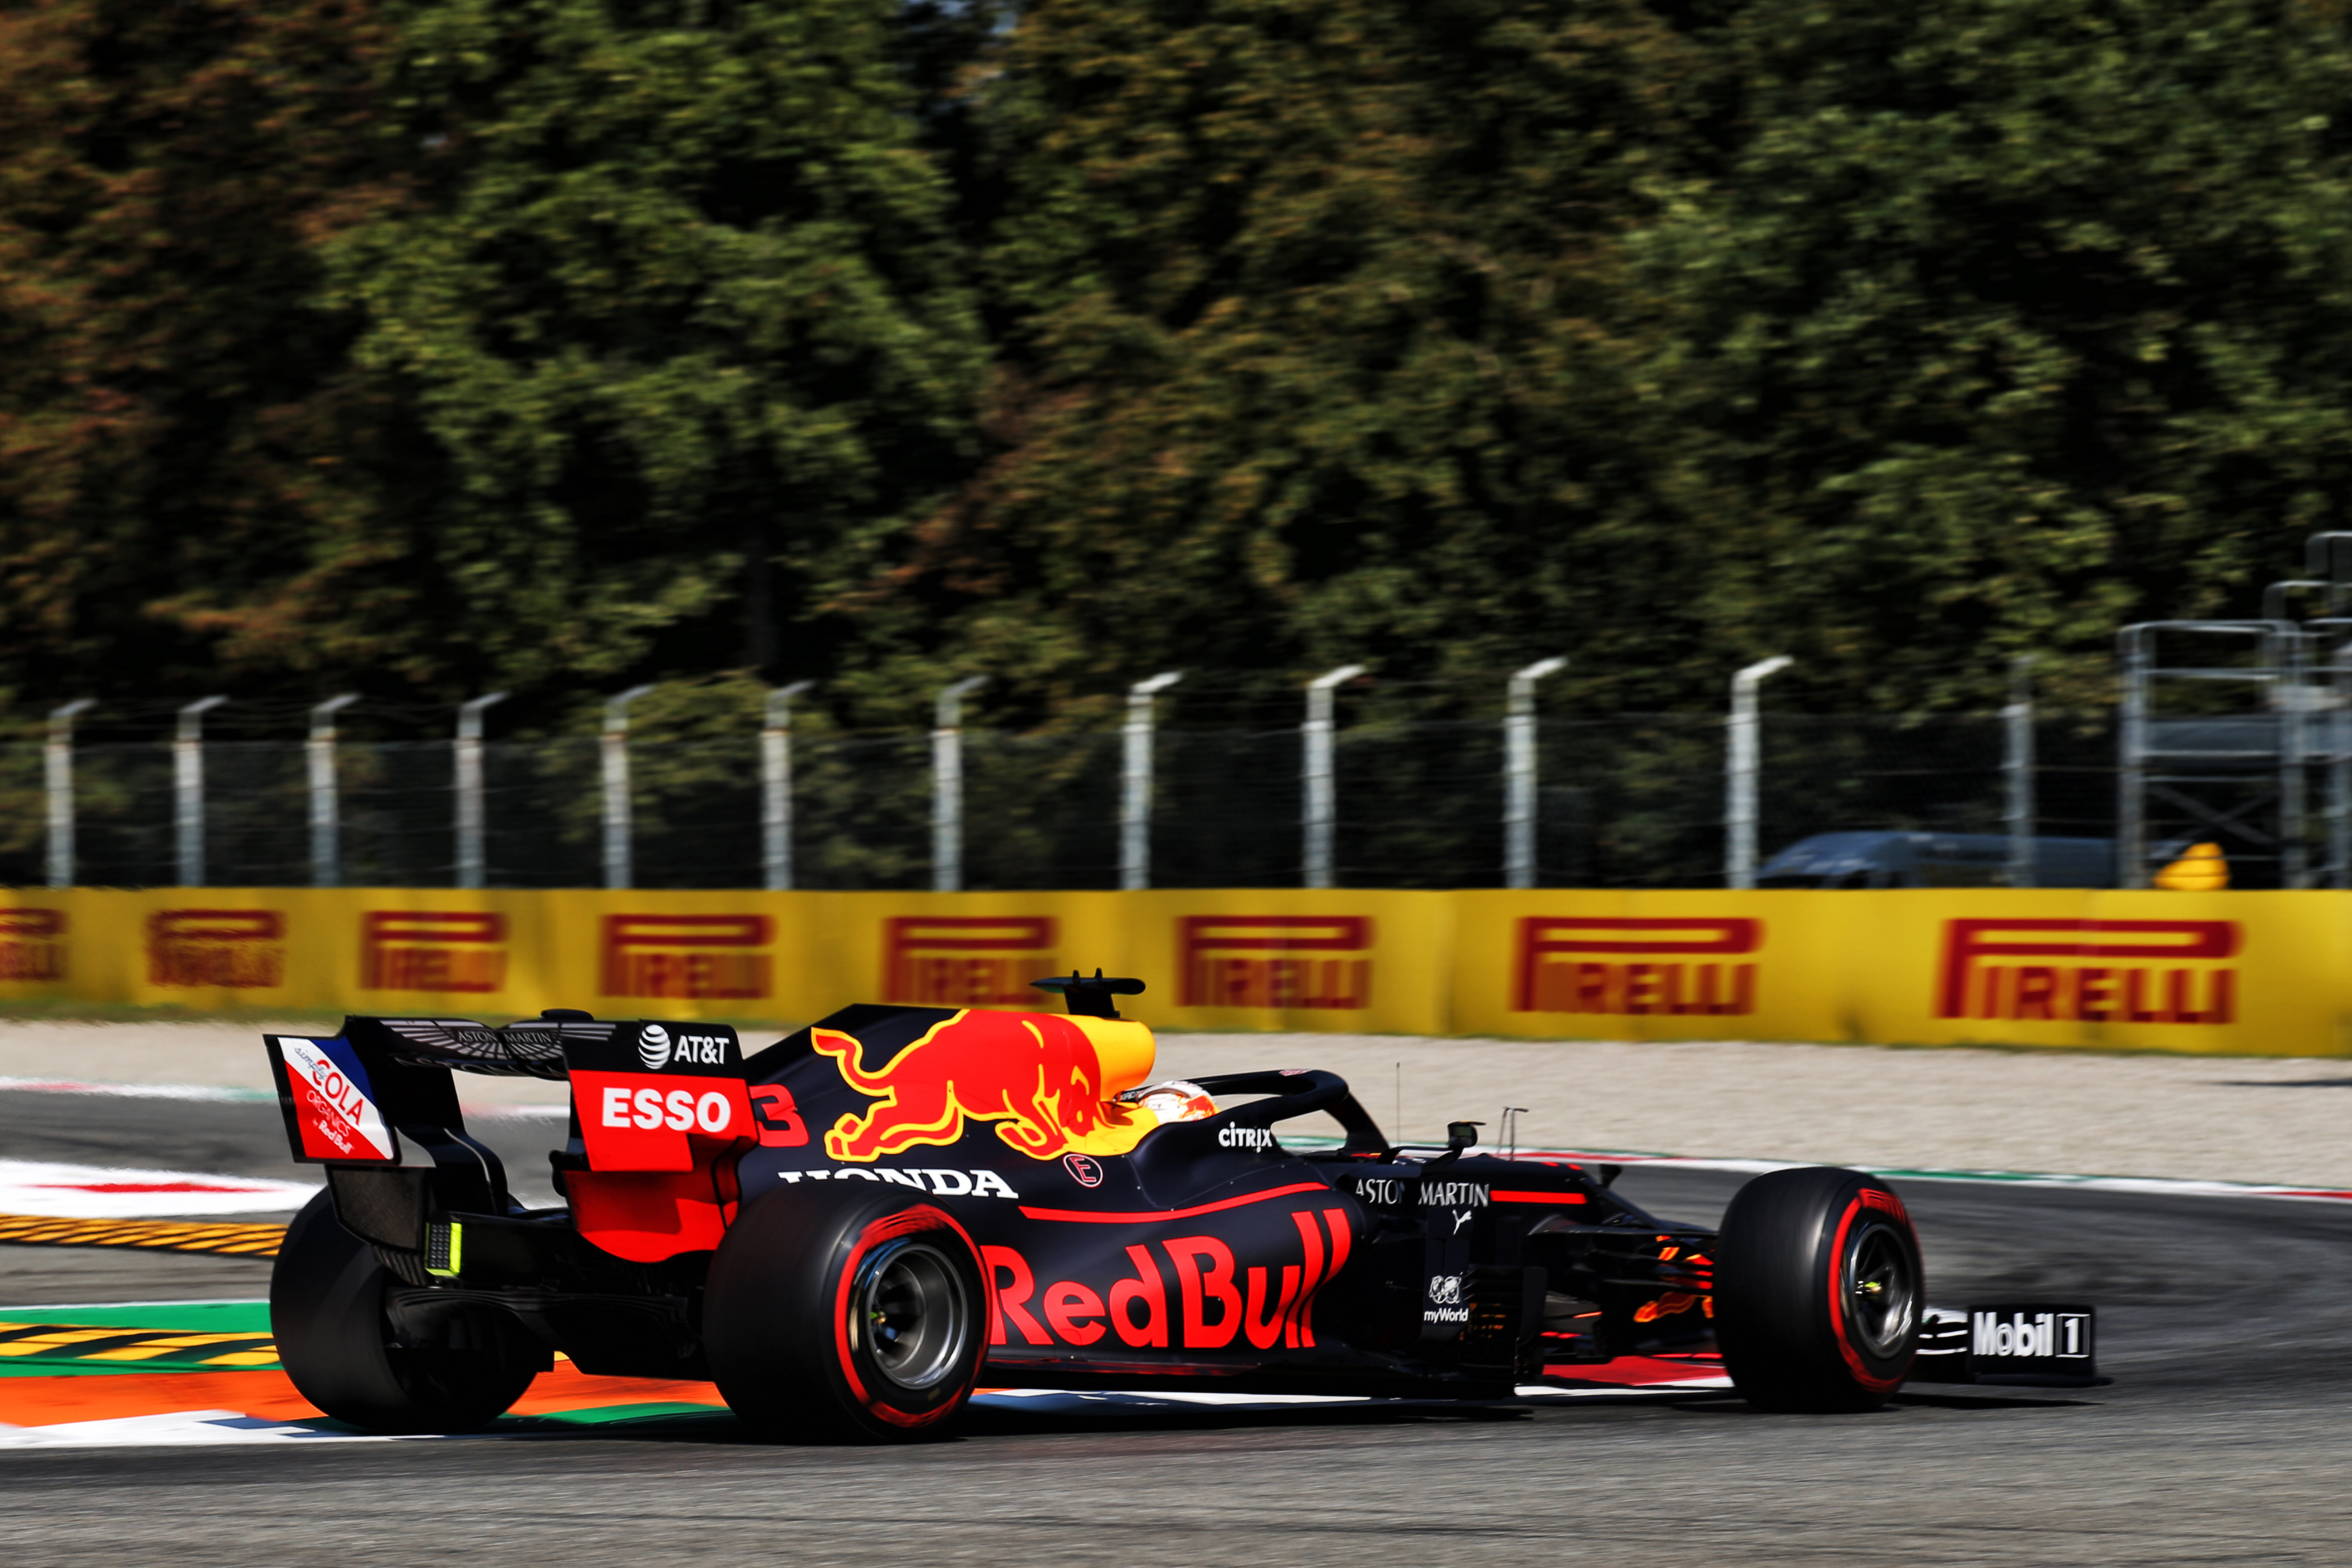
(1048, 1080)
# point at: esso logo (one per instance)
(1085, 1169)
(649, 1109)
(653, 1047)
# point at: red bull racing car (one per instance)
(852, 1228)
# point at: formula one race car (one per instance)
(852, 1228)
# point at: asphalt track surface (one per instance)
(2226, 1437)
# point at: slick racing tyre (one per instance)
(855, 1316)
(327, 1315)
(1818, 1290)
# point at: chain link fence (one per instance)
(1623, 801)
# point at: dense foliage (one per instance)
(423, 346)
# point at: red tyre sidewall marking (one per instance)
(889, 1227)
(1862, 1373)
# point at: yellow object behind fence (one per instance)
(2202, 869)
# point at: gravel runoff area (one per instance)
(2247, 1119)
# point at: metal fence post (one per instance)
(470, 857)
(326, 851)
(1320, 811)
(2339, 768)
(776, 787)
(188, 790)
(2131, 762)
(1135, 782)
(57, 769)
(947, 785)
(1739, 774)
(613, 746)
(2017, 763)
(1520, 773)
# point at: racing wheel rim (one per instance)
(915, 1316)
(1882, 1291)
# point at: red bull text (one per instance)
(1218, 1301)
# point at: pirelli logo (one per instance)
(2123, 971)
(32, 944)
(240, 950)
(460, 952)
(1299, 962)
(942, 960)
(1577, 963)
(687, 957)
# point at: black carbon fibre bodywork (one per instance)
(1210, 1251)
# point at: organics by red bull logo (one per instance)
(1290, 962)
(1678, 967)
(948, 961)
(235, 948)
(1043, 1079)
(2122, 972)
(451, 951)
(687, 957)
(32, 944)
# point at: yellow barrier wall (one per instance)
(2250, 973)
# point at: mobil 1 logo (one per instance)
(2031, 1342)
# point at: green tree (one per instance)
(1315, 350)
(678, 319)
(1899, 338)
(173, 404)
(2004, 322)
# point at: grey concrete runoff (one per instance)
(2241, 1118)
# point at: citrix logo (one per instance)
(653, 1047)
(1246, 1137)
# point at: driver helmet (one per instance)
(1174, 1101)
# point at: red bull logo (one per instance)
(32, 944)
(237, 949)
(944, 961)
(437, 951)
(2122, 972)
(1295, 962)
(687, 957)
(1043, 1079)
(1589, 965)
(1218, 1302)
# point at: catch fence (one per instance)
(1619, 801)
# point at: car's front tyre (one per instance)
(1818, 1291)
(846, 1315)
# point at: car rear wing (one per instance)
(639, 1087)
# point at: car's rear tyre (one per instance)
(1818, 1290)
(851, 1315)
(327, 1316)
